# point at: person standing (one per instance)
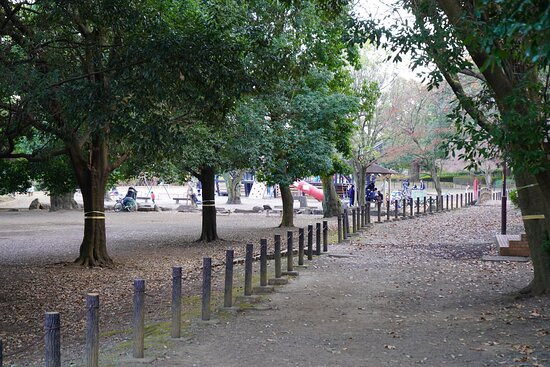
(351, 194)
(153, 197)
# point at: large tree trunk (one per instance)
(233, 182)
(435, 178)
(414, 171)
(331, 202)
(288, 207)
(360, 187)
(209, 230)
(531, 199)
(92, 177)
(63, 202)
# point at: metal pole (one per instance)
(504, 199)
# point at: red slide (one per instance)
(309, 190)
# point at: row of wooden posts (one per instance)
(52, 321)
(361, 217)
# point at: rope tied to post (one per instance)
(209, 203)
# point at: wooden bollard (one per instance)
(431, 200)
(277, 245)
(317, 238)
(92, 330)
(354, 220)
(388, 209)
(447, 202)
(461, 201)
(1, 353)
(310, 242)
(457, 201)
(325, 237)
(396, 207)
(139, 318)
(379, 207)
(263, 262)
(248, 269)
(175, 331)
(417, 206)
(368, 213)
(404, 208)
(228, 284)
(301, 245)
(289, 251)
(411, 204)
(339, 228)
(348, 234)
(424, 205)
(206, 287)
(52, 339)
(436, 203)
(452, 206)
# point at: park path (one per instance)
(402, 294)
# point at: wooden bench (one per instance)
(178, 199)
(143, 198)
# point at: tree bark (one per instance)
(288, 207)
(435, 178)
(331, 202)
(532, 202)
(360, 176)
(209, 229)
(233, 182)
(63, 202)
(92, 176)
(414, 174)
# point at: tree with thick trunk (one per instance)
(91, 175)
(359, 175)
(233, 181)
(434, 172)
(287, 219)
(209, 230)
(63, 202)
(531, 203)
(332, 206)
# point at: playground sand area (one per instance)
(36, 273)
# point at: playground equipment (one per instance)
(309, 190)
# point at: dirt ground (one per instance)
(37, 275)
(401, 294)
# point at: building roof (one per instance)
(379, 170)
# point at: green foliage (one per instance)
(513, 195)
